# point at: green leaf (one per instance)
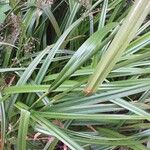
(69, 84)
(130, 107)
(111, 133)
(87, 49)
(54, 50)
(103, 15)
(2, 70)
(102, 97)
(3, 123)
(74, 9)
(23, 129)
(51, 17)
(28, 72)
(122, 39)
(57, 132)
(97, 117)
(3, 8)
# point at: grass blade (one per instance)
(124, 36)
(3, 124)
(97, 117)
(57, 132)
(86, 50)
(23, 128)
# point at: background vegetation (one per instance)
(75, 74)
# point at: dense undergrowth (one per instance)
(75, 74)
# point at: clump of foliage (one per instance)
(75, 74)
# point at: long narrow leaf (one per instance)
(23, 128)
(57, 132)
(126, 33)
